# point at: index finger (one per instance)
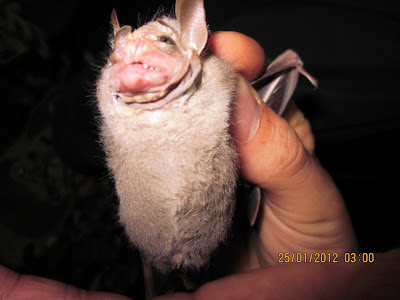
(245, 54)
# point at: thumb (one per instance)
(297, 192)
(270, 151)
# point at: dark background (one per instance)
(58, 210)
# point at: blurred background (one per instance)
(58, 210)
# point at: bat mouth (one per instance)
(143, 79)
(145, 67)
(148, 67)
(138, 79)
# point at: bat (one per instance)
(165, 102)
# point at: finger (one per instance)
(14, 286)
(239, 45)
(270, 152)
(237, 48)
(295, 117)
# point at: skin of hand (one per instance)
(301, 208)
(301, 211)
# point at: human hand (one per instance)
(301, 208)
(15, 286)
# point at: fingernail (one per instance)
(254, 205)
(246, 113)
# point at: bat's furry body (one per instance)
(166, 132)
(174, 167)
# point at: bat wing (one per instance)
(277, 93)
(277, 84)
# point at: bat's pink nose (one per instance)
(131, 51)
(134, 48)
(127, 51)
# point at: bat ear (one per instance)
(114, 21)
(191, 17)
(120, 33)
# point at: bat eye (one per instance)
(167, 40)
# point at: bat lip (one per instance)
(156, 96)
(147, 64)
(141, 99)
(139, 80)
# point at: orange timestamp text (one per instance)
(325, 257)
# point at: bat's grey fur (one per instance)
(171, 155)
(174, 167)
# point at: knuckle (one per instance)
(288, 155)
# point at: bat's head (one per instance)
(160, 59)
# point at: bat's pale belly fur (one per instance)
(174, 168)
(166, 103)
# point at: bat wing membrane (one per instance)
(278, 93)
(286, 68)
